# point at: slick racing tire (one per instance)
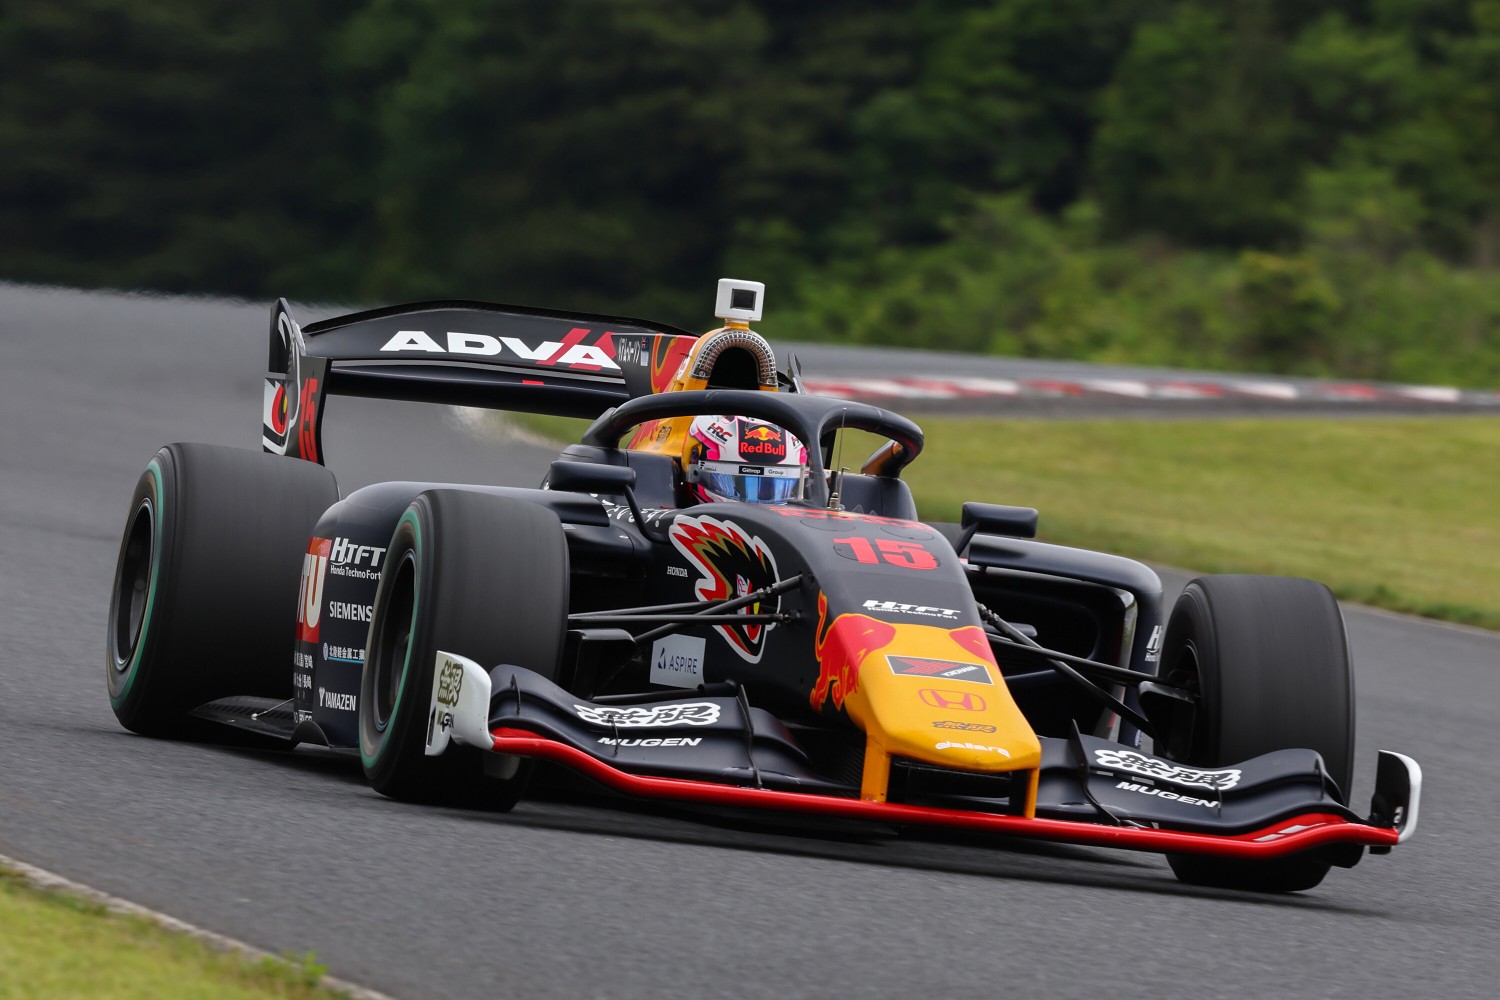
(1270, 661)
(206, 582)
(478, 575)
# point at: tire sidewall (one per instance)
(128, 688)
(1190, 637)
(384, 743)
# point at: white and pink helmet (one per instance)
(740, 458)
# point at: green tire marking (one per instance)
(371, 759)
(158, 517)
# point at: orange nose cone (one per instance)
(923, 692)
(949, 710)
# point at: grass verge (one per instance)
(1396, 512)
(58, 946)
(1399, 513)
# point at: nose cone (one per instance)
(952, 710)
(925, 693)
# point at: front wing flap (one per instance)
(720, 739)
(1093, 779)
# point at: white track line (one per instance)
(1430, 393)
(40, 878)
(1119, 387)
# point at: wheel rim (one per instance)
(133, 585)
(1183, 671)
(393, 640)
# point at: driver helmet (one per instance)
(740, 458)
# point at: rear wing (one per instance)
(459, 353)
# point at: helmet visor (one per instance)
(751, 483)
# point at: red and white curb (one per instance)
(40, 878)
(936, 387)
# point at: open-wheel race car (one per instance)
(699, 605)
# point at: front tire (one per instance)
(1270, 661)
(206, 582)
(470, 573)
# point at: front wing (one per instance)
(718, 750)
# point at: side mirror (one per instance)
(611, 480)
(999, 519)
(995, 519)
(586, 477)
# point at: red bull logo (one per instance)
(764, 441)
(841, 648)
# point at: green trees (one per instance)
(1307, 187)
(174, 145)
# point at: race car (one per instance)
(701, 605)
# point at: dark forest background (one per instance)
(1282, 185)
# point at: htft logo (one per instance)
(346, 553)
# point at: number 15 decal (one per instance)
(891, 551)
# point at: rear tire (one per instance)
(205, 591)
(482, 576)
(1270, 660)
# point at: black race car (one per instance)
(829, 654)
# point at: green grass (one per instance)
(1401, 513)
(55, 946)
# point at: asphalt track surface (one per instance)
(574, 897)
